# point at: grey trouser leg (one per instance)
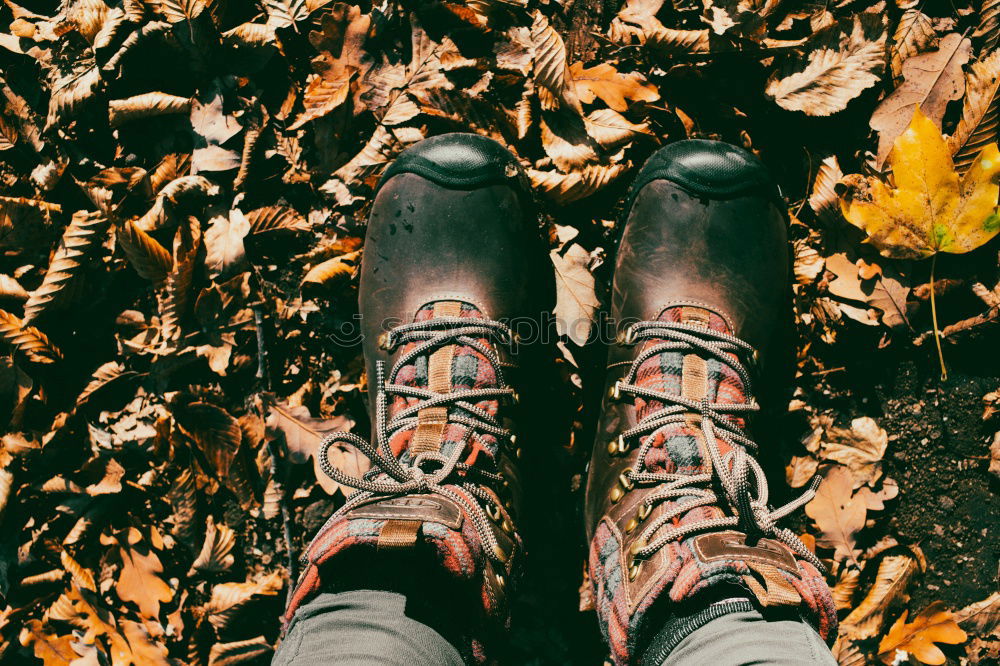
(745, 638)
(362, 628)
(371, 627)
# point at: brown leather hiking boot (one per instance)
(452, 258)
(677, 508)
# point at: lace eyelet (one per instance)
(644, 511)
(385, 341)
(616, 494)
(617, 446)
(631, 525)
(500, 555)
(624, 480)
(501, 581)
(626, 337)
(614, 393)
(493, 511)
(515, 398)
(633, 569)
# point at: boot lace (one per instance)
(740, 476)
(431, 472)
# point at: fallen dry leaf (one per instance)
(914, 34)
(838, 515)
(982, 617)
(886, 593)
(846, 60)
(929, 209)
(615, 89)
(859, 448)
(51, 649)
(139, 580)
(303, 434)
(978, 127)
(932, 80)
(918, 638)
(576, 301)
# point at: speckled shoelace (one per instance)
(431, 471)
(740, 475)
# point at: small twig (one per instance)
(262, 370)
(937, 331)
(286, 520)
(276, 473)
(827, 372)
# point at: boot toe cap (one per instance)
(711, 169)
(458, 160)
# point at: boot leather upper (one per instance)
(703, 230)
(450, 235)
(704, 244)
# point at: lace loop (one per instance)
(742, 480)
(431, 472)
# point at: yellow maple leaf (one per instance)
(932, 625)
(929, 208)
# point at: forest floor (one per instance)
(183, 192)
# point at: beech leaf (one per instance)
(931, 81)
(845, 61)
(303, 434)
(977, 128)
(887, 592)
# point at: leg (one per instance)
(343, 627)
(676, 506)
(742, 638)
(433, 523)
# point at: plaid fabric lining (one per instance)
(675, 449)
(460, 552)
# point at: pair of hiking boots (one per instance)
(676, 513)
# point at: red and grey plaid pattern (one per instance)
(469, 370)
(675, 449)
(460, 551)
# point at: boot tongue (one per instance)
(678, 447)
(446, 369)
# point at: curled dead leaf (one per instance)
(146, 105)
(845, 60)
(27, 340)
(334, 272)
(896, 568)
(81, 240)
(216, 551)
(565, 188)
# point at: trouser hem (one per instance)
(678, 628)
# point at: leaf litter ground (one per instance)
(184, 193)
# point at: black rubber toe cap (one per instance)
(710, 169)
(459, 161)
